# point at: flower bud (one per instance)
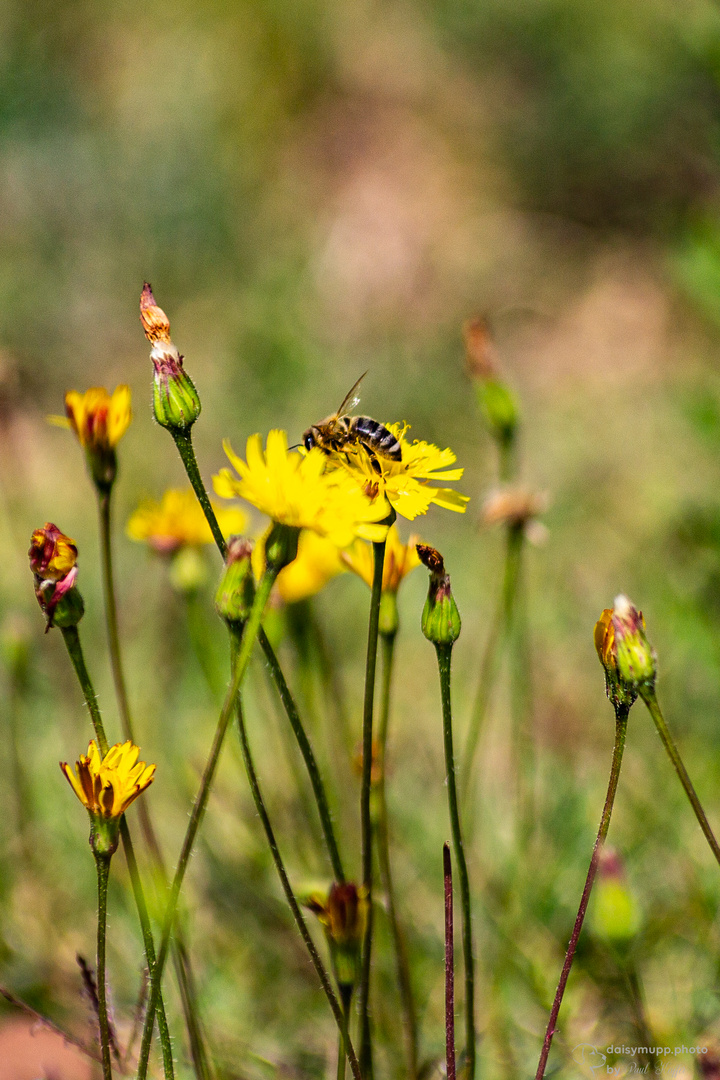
(281, 546)
(234, 597)
(615, 916)
(635, 656)
(53, 558)
(176, 403)
(440, 617)
(343, 915)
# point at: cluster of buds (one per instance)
(342, 913)
(497, 402)
(53, 561)
(175, 400)
(440, 617)
(625, 653)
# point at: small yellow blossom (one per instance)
(318, 562)
(406, 484)
(98, 419)
(297, 491)
(400, 559)
(178, 521)
(107, 786)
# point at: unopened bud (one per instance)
(176, 403)
(615, 916)
(281, 546)
(343, 915)
(635, 656)
(496, 400)
(234, 597)
(440, 617)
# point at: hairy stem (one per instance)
(198, 809)
(183, 441)
(444, 653)
(402, 964)
(621, 716)
(103, 873)
(669, 743)
(365, 818)
(449, 967)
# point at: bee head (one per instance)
(309, 439)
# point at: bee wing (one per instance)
(351, 399)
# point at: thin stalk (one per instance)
(490, 663)
(402, 965)
(71, 638)
(187, 453)
(444, 654)
(181, 958)
(198, 809)
(147, 940)
(285, 881)
(449, 967)
(307, 754)
(669, 743)
(365, 817)
(103, 873)
(621, 716)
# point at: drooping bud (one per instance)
(235, 593)
(176, 403)
(53, 559)
(496, 400)
(343, 914)
(440, 617)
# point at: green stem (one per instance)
(183, 441)
(490, 663)
(402, 964)
(181, 958)
(444, 654)
(282, 874)
(147, 940)
(365, 817)
(621, 716)
(307, 754)
(248, 640)
(71, 638)
(103, 873)
(668, 742)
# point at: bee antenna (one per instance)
(295, 446)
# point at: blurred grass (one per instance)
(314, 191)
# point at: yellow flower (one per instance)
(400, 559)
(318, 562)
(178, 521)
(98, 419)
(406, 484)
(107, 786)
(297, 491)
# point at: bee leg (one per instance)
(375, 462)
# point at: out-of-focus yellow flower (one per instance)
(400, 559)
(178, 521)
(318, 562)
(407, 484)
(107, 786)
(52, 554)
(99, 419)
(297, 491)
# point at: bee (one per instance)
(339, 430)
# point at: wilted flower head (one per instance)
(178, 521)
(107, 786)
(480, 356)
(296, 491)
(624, 652)
(518, 509)
(496, 400)
(440, 617)
(53, 559)
(176, 403)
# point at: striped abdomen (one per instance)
(374, 437)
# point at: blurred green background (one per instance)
(315, 190)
